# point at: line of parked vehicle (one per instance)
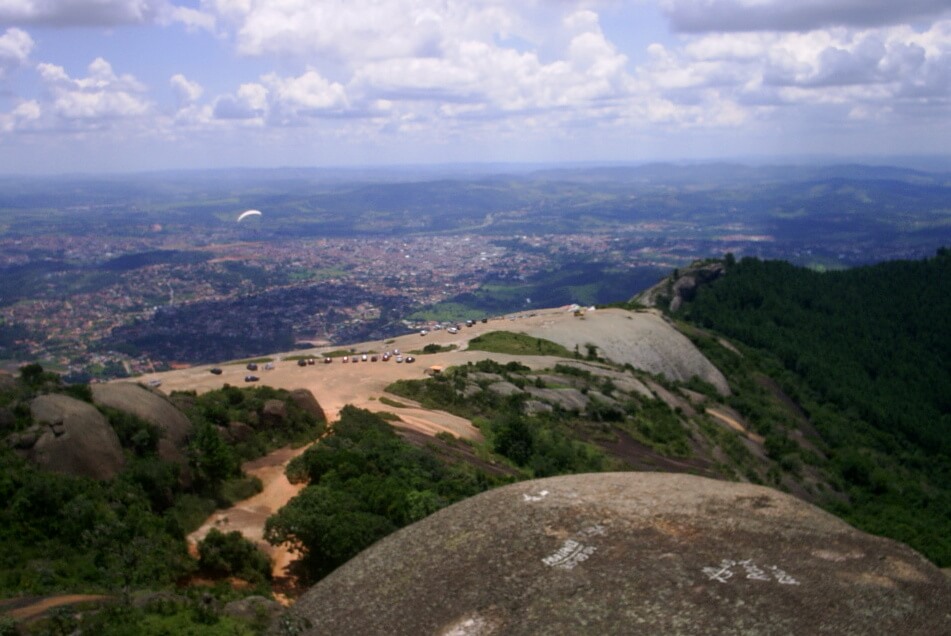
(304, 362)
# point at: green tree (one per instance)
(327, 526)
(232, 554)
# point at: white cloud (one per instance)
(248, 103)
(192, 19)
(474, 76)
(282, 101)
(20, 117)
(475, 71)
(306, 95)
(354, 30)
(15, 48)
(99, 99)
(871, 74)
(186, 91)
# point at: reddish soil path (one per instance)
(248, 516)
(36, 607)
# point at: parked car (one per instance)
(364, 357)
(311, 361)
(328, 360)
(251, 378)
(373, 358)
(399, 358)
(216, 371)
(302, 363)
(252, 366)
(410, 359)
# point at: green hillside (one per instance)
(866, 353)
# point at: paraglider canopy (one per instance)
(248, 213)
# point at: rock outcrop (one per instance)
(152, 408)
(308, 403)
(644, 553)
(680, 287)
(71, 437)
(642, 339)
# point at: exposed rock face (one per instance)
(73, 438)
(146, 405)
(677, 289)
(308, 403)
(643, 340)
(644, 553)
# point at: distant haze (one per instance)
(133, 85)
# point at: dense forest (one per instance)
(865, 353)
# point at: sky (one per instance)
(128, 85)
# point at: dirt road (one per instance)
(248, 516)
(28, 609)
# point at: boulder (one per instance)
(504, 388)
(73, 438)
(273, 413)
(629, 553)
(566, 399)
(239, 431)
(146, 405)
(308, 403)
(534, 407)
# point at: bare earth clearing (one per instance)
(248, 516)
